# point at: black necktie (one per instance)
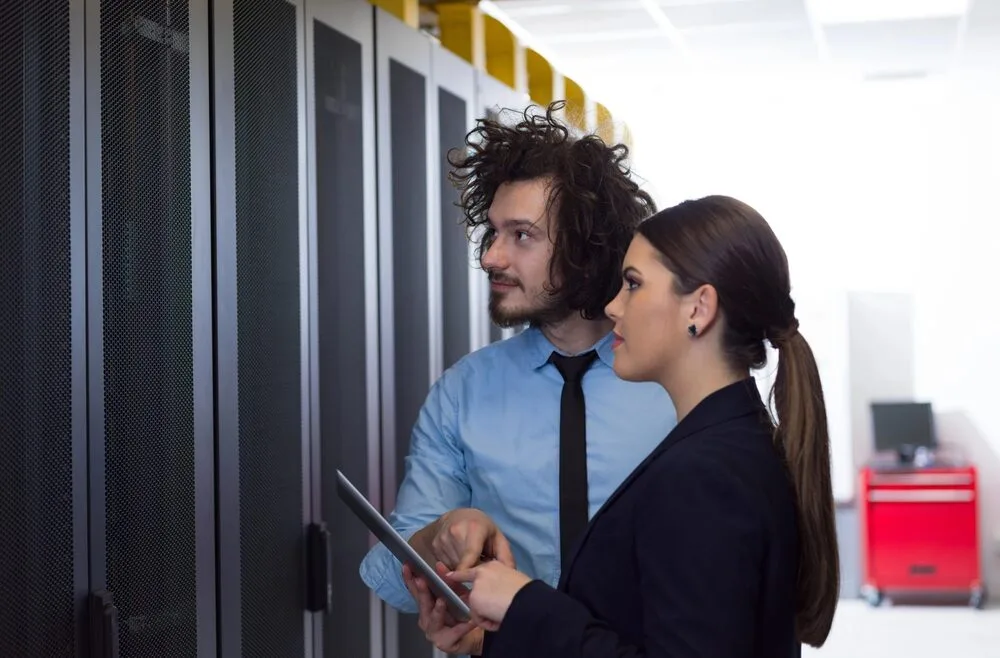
(573, 506)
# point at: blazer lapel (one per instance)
(735, 400)
(672, 439)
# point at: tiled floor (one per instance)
(911, 632)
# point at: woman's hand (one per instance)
(438, 625)
(494, 586)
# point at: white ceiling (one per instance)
(614, 47)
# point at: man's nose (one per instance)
(495, 257)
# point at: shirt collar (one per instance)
(540, 348)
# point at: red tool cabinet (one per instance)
(919, 533)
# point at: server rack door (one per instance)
(150, 353)
(340, 85)
(409, 357)
(496, 100)
(262, 351)
(454, 96)
(461, 277)
(43, 542)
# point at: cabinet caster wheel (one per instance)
(872, 596)
(977, 599)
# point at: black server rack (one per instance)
(340, 87)
(149, 316)
(454, 80)
(43, 543)
(262, 374)
(461, 283)
(409, 318)
(231, 265)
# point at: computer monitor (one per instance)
(903, 427)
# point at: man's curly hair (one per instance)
(597, 205)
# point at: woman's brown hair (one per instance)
(725, 243)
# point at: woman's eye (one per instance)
(631, 284)
(522, 235)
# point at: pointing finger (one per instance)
(502, 551)
(463, 575)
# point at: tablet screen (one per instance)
(399, 547)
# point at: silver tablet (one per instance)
(399, 546)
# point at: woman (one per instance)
(722, 542)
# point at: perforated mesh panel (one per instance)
(148, 371)
(452, 125)
(36, 477)
(343, 334)
(267, 253)
(408, 129)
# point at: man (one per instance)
(508, 459)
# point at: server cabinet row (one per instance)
(230, 264)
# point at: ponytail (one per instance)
(723, 242)
(803, 437)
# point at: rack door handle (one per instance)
(103, 625)
(319, 589)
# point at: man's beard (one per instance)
(547, 310)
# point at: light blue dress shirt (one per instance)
(488, 437)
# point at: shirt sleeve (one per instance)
(697, 542)
(435, 482)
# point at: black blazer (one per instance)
(694, 555)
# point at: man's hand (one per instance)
(461, 538)
(438, 625)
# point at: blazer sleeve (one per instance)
(699, 547)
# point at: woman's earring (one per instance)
(693, 330)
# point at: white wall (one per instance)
(823, 321)
(882, 191)
(957, 299)
(881, 327)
